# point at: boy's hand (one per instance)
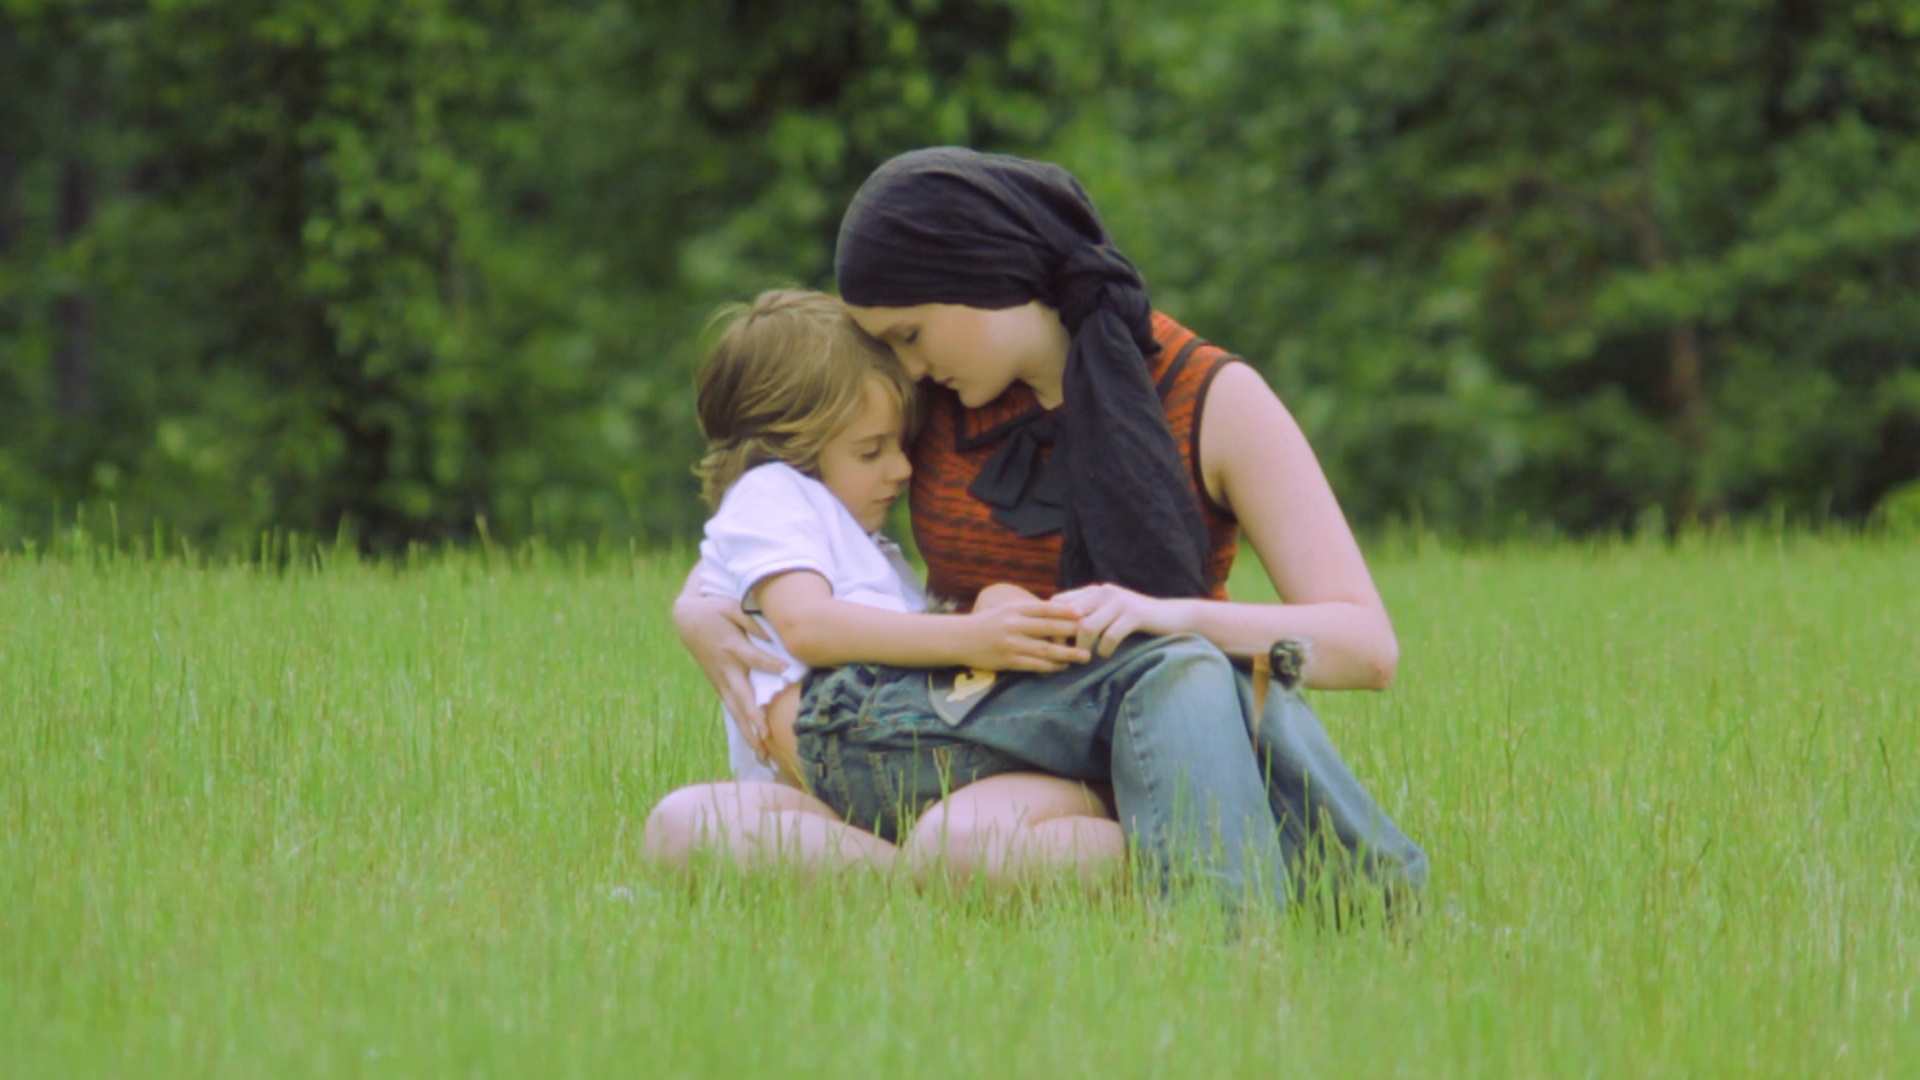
(1012, 630)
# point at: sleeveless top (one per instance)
(966, 549)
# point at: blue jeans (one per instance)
(1164, 720)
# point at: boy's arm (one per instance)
(1010, 634)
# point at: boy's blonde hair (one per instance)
(789, 371)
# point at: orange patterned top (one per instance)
(966, 549)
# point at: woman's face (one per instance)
(975, 352)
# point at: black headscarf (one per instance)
(948, 225)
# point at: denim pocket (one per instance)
(953, 693)
(878, 751)
(888, 788)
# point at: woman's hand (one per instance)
(1110, 614)
(1013, 630)
(715, 631)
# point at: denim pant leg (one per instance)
(1163, 721)
(1323, 810)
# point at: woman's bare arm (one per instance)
(1256, 462)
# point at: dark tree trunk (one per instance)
(9, 210)
(73, 357)
(1684, 387)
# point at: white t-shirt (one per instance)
(776, 519)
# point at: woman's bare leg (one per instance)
(1010, 829)
(759, 824)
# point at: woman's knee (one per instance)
(1192, 649)
(1187, 660)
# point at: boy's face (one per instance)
(865, 464)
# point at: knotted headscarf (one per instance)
(954, 226)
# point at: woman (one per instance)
(1081, 445)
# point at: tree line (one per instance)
(428, 268)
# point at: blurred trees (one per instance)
(424, 263)
(1575, 260)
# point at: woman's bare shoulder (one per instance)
(1244, 430)
(1256, 462)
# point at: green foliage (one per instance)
(1572, 260)
(405, 267)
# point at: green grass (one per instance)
(366, 820)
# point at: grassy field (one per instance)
(350, 819)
